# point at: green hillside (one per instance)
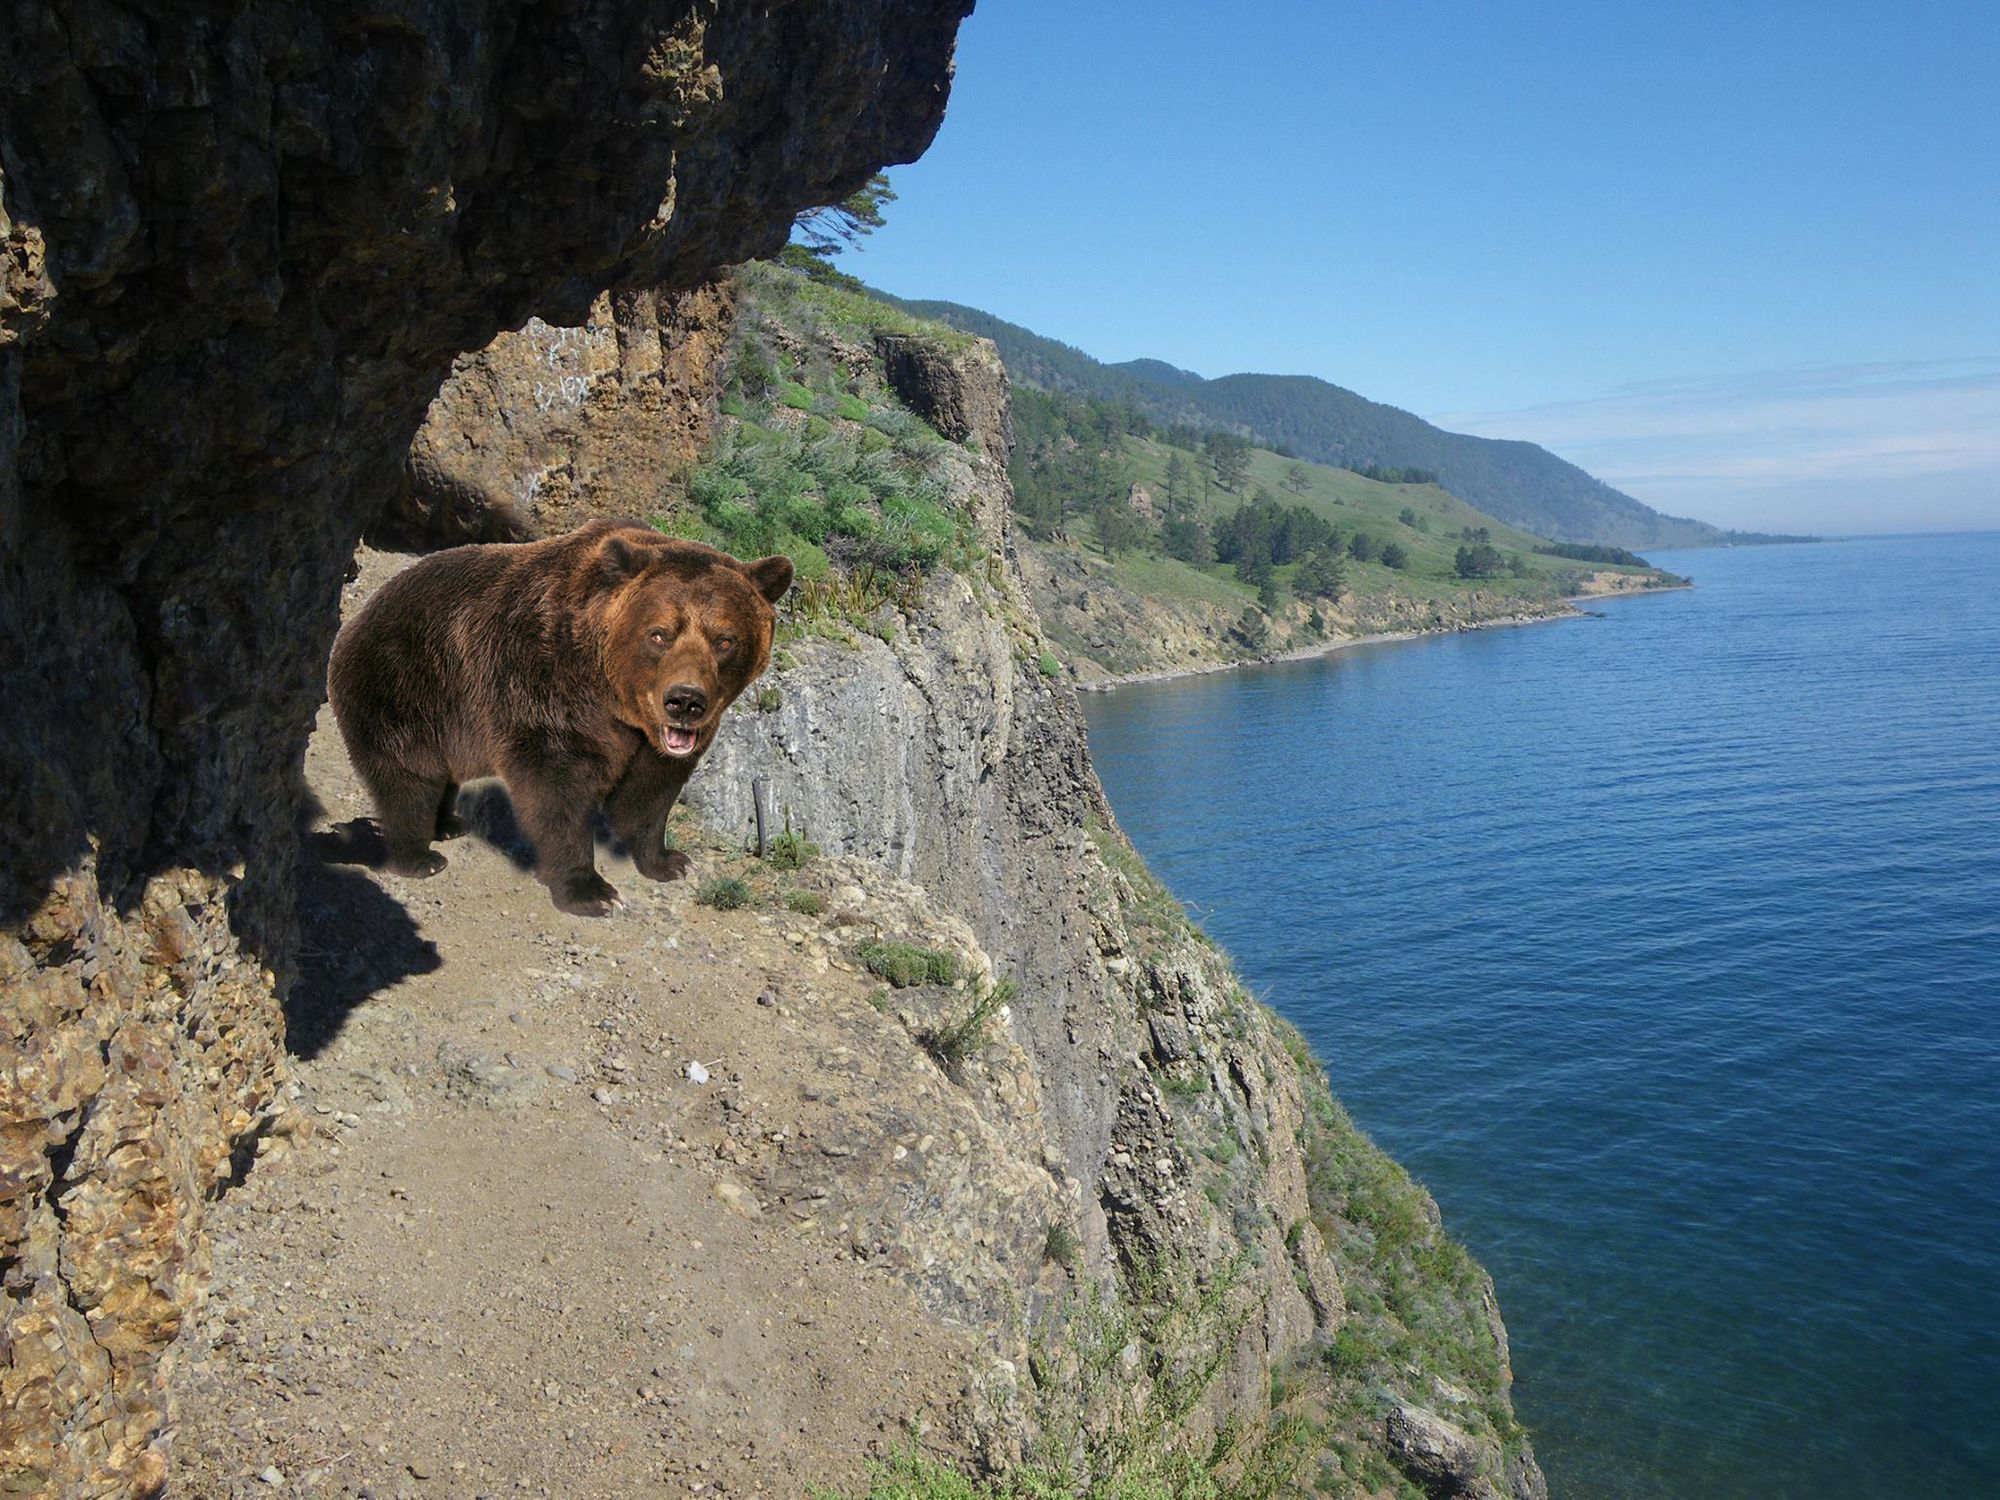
(1076, 464)
(1145, 548)
(1522, 484)
(1166, 549)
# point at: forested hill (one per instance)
(1522, 484)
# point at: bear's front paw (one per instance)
(588, 895)
(416, 866)
(661, 864)
(451, 826)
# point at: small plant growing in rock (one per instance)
(952, 1043)
(1189, 1085)
(769, 699)
(724, 893)
(1063, 1247)
(790, 850)
(906, 964)
(805, 903)
(1049, 665)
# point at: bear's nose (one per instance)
(685, 701)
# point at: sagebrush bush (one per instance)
(906, 964)
(724, 893)
(790, 850)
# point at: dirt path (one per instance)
(523, 1253)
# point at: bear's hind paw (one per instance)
(663, 864)
(586, 895)
(416, 866)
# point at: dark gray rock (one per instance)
(239, 249)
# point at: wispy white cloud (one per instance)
(1893, 445)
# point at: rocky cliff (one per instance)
(1188, 1130)
(239, 250)
(547, 426)
(1193, 1127)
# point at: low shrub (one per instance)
(1062, 1246)
(724, 893)
(952, 1043)
(906, 964)
(790, 850)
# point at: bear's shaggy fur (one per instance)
(586, 671)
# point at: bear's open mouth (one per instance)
(676, 741)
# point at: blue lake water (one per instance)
(1664, 947)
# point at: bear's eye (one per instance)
(724, 644)
(657, 636)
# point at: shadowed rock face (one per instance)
(547, 427)
(239, 249)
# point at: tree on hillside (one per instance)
(821, 233)
(834, 227)
(1321, 575)
(1251, 630)
(1297, 480)
(1394, 555)
(1119, 528)
(1186, 538)
(1301, 531)
(1479, 561)
(1229, 456)
(1361, 547)
(1176, 485)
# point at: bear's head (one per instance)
(687, 628)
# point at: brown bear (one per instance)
(586, 671)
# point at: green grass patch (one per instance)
(790, 850)
(805, 903)
(906, 964)
(724, 893)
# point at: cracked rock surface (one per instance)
(239, 250)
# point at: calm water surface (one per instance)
(1665, 948)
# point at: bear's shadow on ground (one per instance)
(356, 938)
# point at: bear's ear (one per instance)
(770, 576)
(620, 559)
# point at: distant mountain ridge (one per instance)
(1519, 482)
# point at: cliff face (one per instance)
(1192, 1127)
(1189, 1130)
(238, 252)
(547, 426)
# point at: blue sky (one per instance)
(1741, 260)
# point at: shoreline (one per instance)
(1378, 638)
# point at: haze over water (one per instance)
(1665, 948)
